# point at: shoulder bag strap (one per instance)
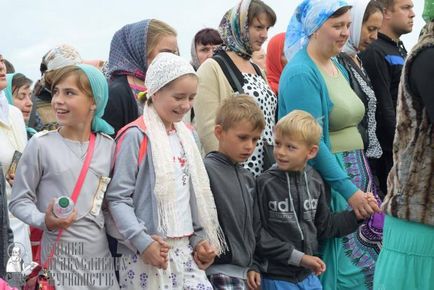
(229, 72)
(76, 192)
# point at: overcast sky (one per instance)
(32, 27)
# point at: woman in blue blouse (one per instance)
(313, 81)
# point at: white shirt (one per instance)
(184, 227)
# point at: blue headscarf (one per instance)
(99, 86)
(8, 89)
(128, 50)
(308, 17)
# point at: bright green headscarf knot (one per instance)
(428, 11)
(8, 89)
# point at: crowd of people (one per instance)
(306, 166)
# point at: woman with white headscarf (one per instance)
(313, 81)
(367, 17)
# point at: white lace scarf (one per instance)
(164, 189)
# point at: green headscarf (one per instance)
(99, 87)
(8, 89)
(9, 95)
(428, 11)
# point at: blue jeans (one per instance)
(311, 282)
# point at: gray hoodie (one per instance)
(132, 217)
(294, 211)
(233, 190)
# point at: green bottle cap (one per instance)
(63, 202)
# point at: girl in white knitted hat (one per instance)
(160, 200)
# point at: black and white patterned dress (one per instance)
(255, 86)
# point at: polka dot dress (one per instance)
(255, 86)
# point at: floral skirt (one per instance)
(182, 272)
(350, 260)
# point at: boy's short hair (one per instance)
(302, 125)
(237, 108)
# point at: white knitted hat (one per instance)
(165, 68)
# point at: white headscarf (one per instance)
(357, 13)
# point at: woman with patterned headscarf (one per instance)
(367, 17)
(314, 82)
(132, 49)
(244, 29)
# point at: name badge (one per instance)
(99, 195)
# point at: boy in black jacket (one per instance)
(239, 125)
(294, 210)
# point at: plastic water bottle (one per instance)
(63, 207)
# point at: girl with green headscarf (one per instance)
(50, 166)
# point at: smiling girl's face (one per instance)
(174, 100)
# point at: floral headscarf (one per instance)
(61, 56)
(357, 14)
(308, 17)
(128, 50)
(234, 30)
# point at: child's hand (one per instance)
(53, 222)
(361, 207)
(10, 179)
(253, 280)
(204, 255)
(313, 263)
(156, 254)
(164, 246)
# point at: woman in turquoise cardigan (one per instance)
(313, 81)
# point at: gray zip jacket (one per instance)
(294, 211)
(233, 190)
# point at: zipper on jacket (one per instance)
(244, 200)
(292, 206)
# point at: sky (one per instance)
(32, 27)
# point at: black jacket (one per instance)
(122, 106)
(295, 217)
(383, 61)
(233, 190)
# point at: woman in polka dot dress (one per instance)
(244, 29)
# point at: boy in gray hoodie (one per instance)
(293, 209)
(238, 126)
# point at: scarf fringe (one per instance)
(165, 179)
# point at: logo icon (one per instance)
(16, 252)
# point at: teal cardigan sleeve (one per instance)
(300, 89)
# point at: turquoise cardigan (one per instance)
(302, 87)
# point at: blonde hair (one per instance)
(237, 108)
(302, 125)
(156, 30)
